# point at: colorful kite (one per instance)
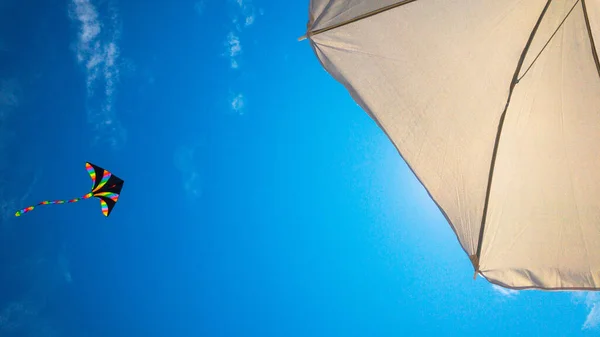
(106, 189)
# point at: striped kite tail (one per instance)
(47, 202)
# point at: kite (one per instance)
(107, 189)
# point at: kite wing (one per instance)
(107, 189)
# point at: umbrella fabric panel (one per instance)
(543, 227)
(435, 75)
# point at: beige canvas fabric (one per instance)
(495, 106)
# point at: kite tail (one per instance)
(47, 202)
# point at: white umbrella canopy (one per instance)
(495, 107)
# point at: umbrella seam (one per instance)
(355, 19)
(548, 42)
(591, 37)
(513, 83)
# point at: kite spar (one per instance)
(107, 189)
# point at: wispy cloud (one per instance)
(188, 161)
(199, 7)
(234, 48)
(9, 203)
(19, 317)
(10, 92)
(16, 315)
(244, 16)
(26, 316)
(238, 103)
(592, 301)
(98, 52)
(248, 11)
(11, 95)
(509, 293)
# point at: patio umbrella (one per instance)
(495, 107)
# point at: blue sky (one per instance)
(259, 199)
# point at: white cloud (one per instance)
(510, 293)
(98, 51)
(237, 103)
(247, 11)
(249, 20)
(234, 48)
(243, 18)
(592, 302)
(593, 318)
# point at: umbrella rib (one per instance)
(513, 83)
(591, 36)
(548, 42)
(358, 18)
